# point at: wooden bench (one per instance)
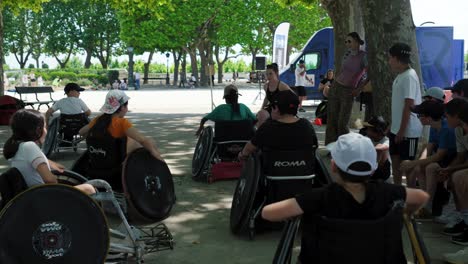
(36, 90)
(161, 79)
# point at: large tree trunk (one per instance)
(2, 57)
(146, 67)
(176, 55)
(386, 22)
(193, 63)
(204, 49)
(221, 62)
(346, 17)
(89, 54)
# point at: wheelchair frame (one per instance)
(55, 137)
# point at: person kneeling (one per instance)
(352, 196)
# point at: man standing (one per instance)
(406, 92)
(137, 80)
(299, 88)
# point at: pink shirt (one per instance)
(352, 68)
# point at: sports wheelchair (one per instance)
(268, 177)
(215, 156)
(337, 239)
(63, 133)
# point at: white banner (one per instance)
(280, 44)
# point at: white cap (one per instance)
(114, 99)
(435, 92)
(351, 148)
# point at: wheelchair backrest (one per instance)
(11, 184)
(71, 124)
(359, 241)
(234, 130)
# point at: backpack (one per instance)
(8, 106)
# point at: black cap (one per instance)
(287, 101)
(301, 61)
(461, 86)
(72, 87)
(433, 109)
(377, 123)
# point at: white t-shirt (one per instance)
(137, 76)
(462, 140)
(26, 160)
(300, 79)
(70, 106)
(406, 85)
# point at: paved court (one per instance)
(200, 219)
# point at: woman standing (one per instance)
(345, 88)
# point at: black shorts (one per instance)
(406, 149)
(382, 172)
(299, 90)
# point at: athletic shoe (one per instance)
(461, 239)
(301, 109)
(456, 230)
(450, 217)
(460, 257)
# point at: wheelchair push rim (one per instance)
(57, 228)
(202, 153)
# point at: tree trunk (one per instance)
(2, 56)
(176, 55)
(387, 22)
(146, 67)
(193, 63)
(204, 49)
(89, 54)
(221, 62)
(346, 17)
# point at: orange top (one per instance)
(117, 128)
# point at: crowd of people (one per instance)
(363, 164)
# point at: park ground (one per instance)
(200, 219)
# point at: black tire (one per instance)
(245, 194)
(283, 252)
(69, 177)
(53, 223)
(321, 111)
(201, 155)
(80, 166)
(51, 138)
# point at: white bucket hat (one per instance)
(351, 148)
(114, 99)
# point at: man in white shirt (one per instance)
(299, 88)
(406, 92)
(137, 81)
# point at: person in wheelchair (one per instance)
(22, 150)
(232, 110)
(325, 83)
(110, 137)
(376, 129)
(352, 196)
(284, 131)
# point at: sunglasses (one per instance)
(347, 41)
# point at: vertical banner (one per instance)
(280, 44)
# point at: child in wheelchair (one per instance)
(232, 110)
(352, 196)
(22, 150)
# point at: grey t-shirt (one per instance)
(70, 106)
(26, 160)
(462, 140)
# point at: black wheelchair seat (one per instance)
(11, 184)
(230, 138)
(70, 125)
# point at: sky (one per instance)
(442, 13)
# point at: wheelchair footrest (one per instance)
(157, 238)
(225, 171)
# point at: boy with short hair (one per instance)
(376, 129)
(70, 105)
(351, 196)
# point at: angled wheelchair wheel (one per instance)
(53, 223)
(283, 252)
(80, 166)
(51, 137)
(420, 254)
(202, 154)
(245, 194)
(321, 111)
(148, 185)
(69, 177)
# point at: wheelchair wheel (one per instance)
(321, 111)
(53, 223)
(81, 164)
(69, 177)
(283, 252)
(148, 184)
(51, 138)
(420, 253)
(202, 154)
(245, 194)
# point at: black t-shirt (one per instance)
(275, 135)
(333, 201)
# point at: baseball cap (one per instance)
(433, 109)
(114, 99)
(72, 87)
(351, 148)
(378, 123)
(229, 88)
(461, 86)
(435, 92)
(301, 61)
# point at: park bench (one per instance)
(22, 90)
(161, 78)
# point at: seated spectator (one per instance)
(70, 105)
(460, 89)
(457, 171)
(351, 196)
(105, 133)
(439, 153)
(192, 81)
(284, 131)
(434, 93)
(123, 84)
(22, 150)
(325, 84)
(116, 85)
(232, 110)
(376, 129)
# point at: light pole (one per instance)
(131, 82)
(167, 68)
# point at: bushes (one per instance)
(64, 75)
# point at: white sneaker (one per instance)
(448, 218)
(460, 257)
